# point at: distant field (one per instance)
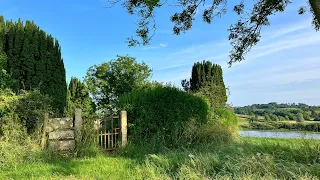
(247, 116)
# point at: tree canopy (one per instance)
(119, 76)
(244, 34)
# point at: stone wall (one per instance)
(60, 134)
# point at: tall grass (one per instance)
(246, 158)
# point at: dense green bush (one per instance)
(29, 106)
(159, 115)
(20, 125)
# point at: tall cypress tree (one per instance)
(9, 44)
(2, 35)
(41, 63)
(34, 60)
(207, 79)
(35, 80)
(26, 57)
(17, 72)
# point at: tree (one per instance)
(306, 115)
(110, 79)
(300, 117)
(78, 97)
(33, 61)
(244, 34)
(207, 80)
(267, 117)
(314, 114)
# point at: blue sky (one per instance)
(284, 67)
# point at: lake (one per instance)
(280, 134)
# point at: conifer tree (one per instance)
(33, 59)
(16, 61)
(207, 79)
(78, 97)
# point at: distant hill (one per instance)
(276, 111)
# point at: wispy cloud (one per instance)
(285, 60)
(162, 45)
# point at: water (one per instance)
(275, 134)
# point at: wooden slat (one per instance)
(109, 139)
(105, 132)
(112, 133)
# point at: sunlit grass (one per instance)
(246, 158)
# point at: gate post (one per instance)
(123, 122)
(78, 125)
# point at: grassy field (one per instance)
(246, 158)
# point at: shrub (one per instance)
(29, 106)
(221, 127)
(160, 114)
(15, 144)
(300, 117)
(19, 116)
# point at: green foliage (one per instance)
(106, 82)
(31, 59)
(207, 80)
(159, 115)
(314, 114)
(16, 146)
(300, 117)
(78, 97)
(28, 106)
(5, 78)
(88, 146)
(220, 128)
(19, 116)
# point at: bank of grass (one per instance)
(246, 158)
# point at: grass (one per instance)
(246, 158)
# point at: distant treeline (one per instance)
(279, 112)
(283, 125)
(32, 59)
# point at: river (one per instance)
(280, 134)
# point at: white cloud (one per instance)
(163, 45)
(155, 47)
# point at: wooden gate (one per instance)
(112, 131)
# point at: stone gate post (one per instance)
(123, 122)
(78, 124)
